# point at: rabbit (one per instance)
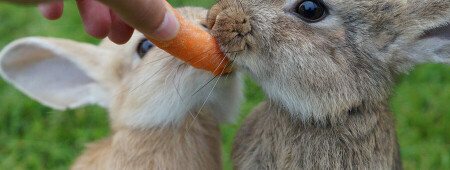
(328, 68)
(163, 113)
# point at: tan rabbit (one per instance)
(162, 115)
(328, 68)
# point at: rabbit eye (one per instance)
(144, 46)
(311, 10)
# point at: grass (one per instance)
(37, 137)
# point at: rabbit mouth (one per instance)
(234, 42)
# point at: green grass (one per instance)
(36, 137)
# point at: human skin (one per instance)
(116, 18)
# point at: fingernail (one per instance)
(168, 29)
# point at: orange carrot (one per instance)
(195, 47)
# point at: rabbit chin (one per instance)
(291, 94)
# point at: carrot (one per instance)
(195, 47)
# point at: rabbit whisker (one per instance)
(225, 43)
(177, 87)
(203, 105)
(210, 79)
(232, 64)
(150, 62)
(226, 66)
(204, 85)
(210, 92)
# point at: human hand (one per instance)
(104, 17)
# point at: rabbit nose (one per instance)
(231, 26)
(238, 24)
(242, 26)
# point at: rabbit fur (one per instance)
(158, 119)
(328, 82)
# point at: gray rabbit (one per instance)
(328, 68)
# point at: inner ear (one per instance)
(46, 76)
(43, 64)
(442, 32)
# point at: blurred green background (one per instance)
(37, 137)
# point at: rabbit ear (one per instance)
(58, 73)
(432, 46)
(429, 20)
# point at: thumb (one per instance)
(151, 17)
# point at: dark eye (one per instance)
(311, 10)
(144, 47)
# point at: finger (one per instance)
(52, 10)
(96, 17)
(29, 2)
(150, 17)
(120, 32)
